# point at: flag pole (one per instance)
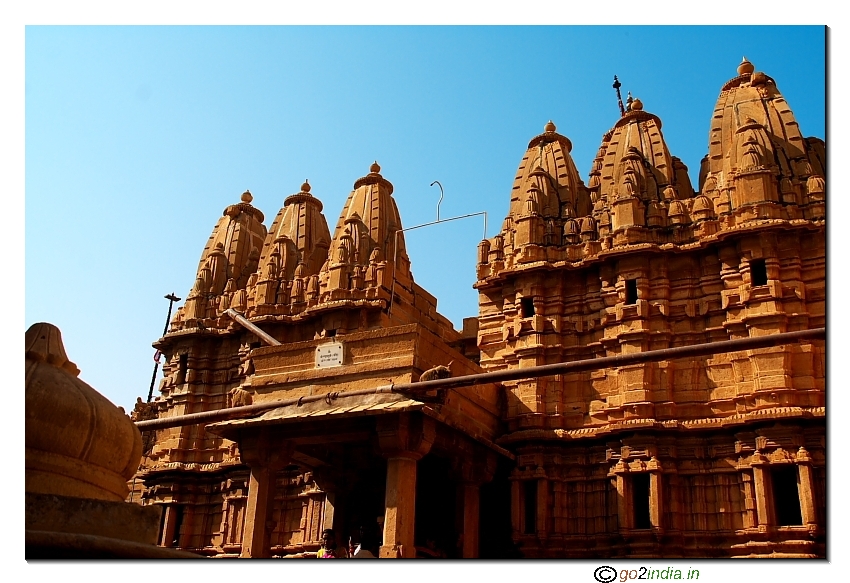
(171, 299)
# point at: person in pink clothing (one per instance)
(329, 550)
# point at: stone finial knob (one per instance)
(637, 104)
(306, 186)
(247, 197)
(550, 127)
(44, 343)
(374, 168)
(745, 67)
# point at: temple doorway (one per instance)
(359, 497)
(437, 514)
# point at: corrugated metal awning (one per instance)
(360, 406)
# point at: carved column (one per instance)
(624, 517)
(471, 500)
(404, 439)
(805, 485)
(656, 494)
(542, 503)
(264, 459)
(749, 513)
(472, 473)
(327, 480)
(761, 485)
(400, 514)
(169, 525)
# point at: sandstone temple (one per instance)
(290, 402)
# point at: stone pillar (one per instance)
(656, 494)
(169, 525)
(400, 514)
(328, 512)
(264, 460)
(403, 439)
(471, 474)
(471, 527)
(255, 540)
(656, 500)
(761, 484)
(750, 518)
(805, 488)
(542, 503)
(624, 517)
(327, 480)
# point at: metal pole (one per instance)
(251, 326)
(171, 299)
(694, 350)
(617, 86)
(439, 202)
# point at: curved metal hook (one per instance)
(437, 182)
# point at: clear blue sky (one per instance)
(138, 137)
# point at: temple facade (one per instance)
(714, 456)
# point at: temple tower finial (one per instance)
(617, 86)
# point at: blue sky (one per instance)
(138, 137)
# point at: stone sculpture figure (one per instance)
(238, 397)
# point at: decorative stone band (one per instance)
(241, 207)
(52, 473)
(548, 137)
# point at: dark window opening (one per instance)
(640, 500)
(178, 526)
(786, 496)
(631, 291)
(758, 272)
(182, 368)
(330, 333)
(530, 491)
(527, 307)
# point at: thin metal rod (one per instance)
(251, 326)
(153, 380)
(439, 202)
(395, 246)
(171, 299)
(704, 349)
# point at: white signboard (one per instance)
(328, 355)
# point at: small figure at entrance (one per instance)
(329, 550)
(362, 550)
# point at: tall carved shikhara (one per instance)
(714, 456)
